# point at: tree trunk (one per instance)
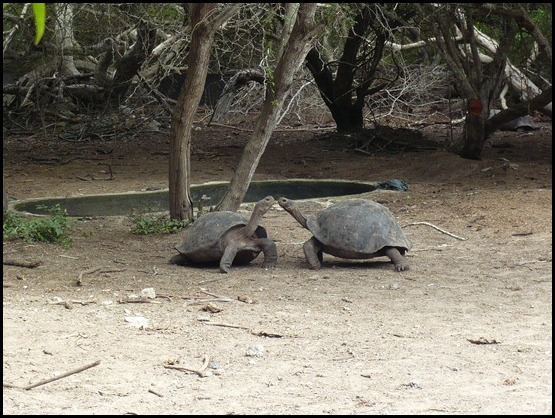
(345, 100)
(347, 118)
(294, 54)
(514, 76)
(527, 89)
(132, 61)
(63, 33)
(4, 199)
(337, 94)
(204, 21)
(480, 82)
(473, 137)
(181, 204)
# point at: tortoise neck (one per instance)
(254, 221)
(300, 218)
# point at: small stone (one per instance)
(255, 351)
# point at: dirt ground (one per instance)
(467, 330)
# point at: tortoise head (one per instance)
(262, 206)
(290, 206)
(285, 203)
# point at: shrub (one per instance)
(53, 228)
(155, 224)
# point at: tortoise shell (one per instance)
(357, 228)
(203, 241)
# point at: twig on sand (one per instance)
(213, 295)
(201, 372)
(27, 264)
(211, 280)
(138, 300)
(203, 301)
(73, 302)
(155, 393)
(227, 325)
(81, 274)
(436, 227)
(224, 324)
(94, 270)
(52, 379)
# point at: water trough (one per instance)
(124, 204)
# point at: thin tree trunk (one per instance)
(294, 54)
(132, 61)
(337, 89)
(480, 83)
(4, 199)
(515, 77)
(181, 204)
(63, 33)
(205, 21)
(473, 137)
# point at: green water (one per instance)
(124, 204)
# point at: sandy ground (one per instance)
(467, 330)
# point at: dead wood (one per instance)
(52, 379)
(201, 372)
(437, 228)
(94, 270)
(27, 264)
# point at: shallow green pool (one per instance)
(122, 204)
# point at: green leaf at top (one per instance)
(39, 10)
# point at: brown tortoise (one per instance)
(352, 229)
(227, 237)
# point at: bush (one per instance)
(53, 228)
(144, 224)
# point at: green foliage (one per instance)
(495, 26)
(53, 228)
(144, 224)
(269, 42)
(542, 18)
(166, 12)
(339, 18)
(39, 10)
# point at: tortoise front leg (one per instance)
(227, 259)
(397, 259)
(269, 249)
(313, 253)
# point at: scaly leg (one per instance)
(397, 259)
(228, 257)
(270, 252)
(313, 253)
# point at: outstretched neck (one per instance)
(298, 216)
(254, 221)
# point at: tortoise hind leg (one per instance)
(269, 249)
(313, 253)
(397, 259)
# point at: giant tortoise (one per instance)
(352, 229)
(228, 237)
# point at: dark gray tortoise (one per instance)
(352, 229)
(227, 237)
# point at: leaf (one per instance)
(39, 10)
